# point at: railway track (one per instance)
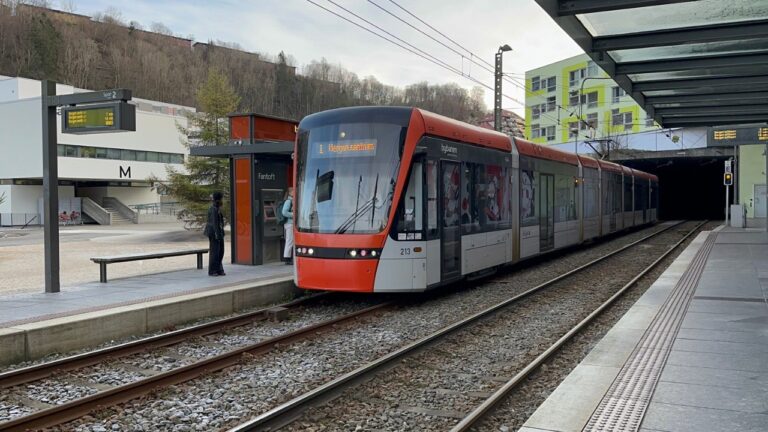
(292, 346)
(335, 394)
(81, 406)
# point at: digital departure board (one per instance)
(115, 116)
(737, 135)
(90, 118)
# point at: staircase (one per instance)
(117, 218)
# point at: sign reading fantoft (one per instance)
(734, 136)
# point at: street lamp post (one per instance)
(497, 87)
(581, 120)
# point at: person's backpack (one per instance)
(281, 219)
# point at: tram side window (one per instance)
(496, 207)
(469, 216)
(432, 199)
(528, 185)
(617, 189)
(590, 197)
(485, 197)
(565, 198)
(409, 217)
(627, 194)
(640, 194)
(607, 193)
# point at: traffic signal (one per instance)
(727, 179)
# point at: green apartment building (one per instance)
(556, 94)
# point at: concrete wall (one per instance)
(9, 90)
(94, 193)
(751, 172)
(21, 122)
(104, 169)
(126, 195)
(21, 140)
(86, 330)
(5, 207)
(26, 198)
(133, 195)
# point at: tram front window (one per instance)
(346, 177)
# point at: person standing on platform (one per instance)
(287, 211)
(214, 230)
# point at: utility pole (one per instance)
(499, 73)
(50, 189)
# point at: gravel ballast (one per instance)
(261, 382)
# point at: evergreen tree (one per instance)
(46, 43)
(204, 175)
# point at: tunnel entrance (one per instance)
(690, 186)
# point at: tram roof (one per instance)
(528, 148)
(610, 166)
(588, 162)
(686, 62)
(445, 127)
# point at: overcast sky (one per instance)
(307, 32)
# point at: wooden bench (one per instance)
(103, 261)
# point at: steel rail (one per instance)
(288, 411)
(36, 372)
(478, 413)
(80, 407)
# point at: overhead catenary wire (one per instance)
(446, 65)
(436, 62)
(439, 32)
(489, 68)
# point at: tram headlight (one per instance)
(310, 251)
(363, 253)
(373, 253)
(353, 253)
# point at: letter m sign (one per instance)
(125, 172)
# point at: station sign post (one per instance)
(91, 112)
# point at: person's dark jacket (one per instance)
(215, 226)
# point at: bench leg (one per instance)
(103, 272)
(199, 261)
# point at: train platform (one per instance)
(690, 355)
(33, 325)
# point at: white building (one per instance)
(115, 165)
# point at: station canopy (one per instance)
(687, 63)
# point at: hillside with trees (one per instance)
(104, 51)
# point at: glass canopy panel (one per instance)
(700, 73)
(693, 50)
(676, 15)
(686, 91)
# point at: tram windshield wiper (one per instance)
(370, 204)
(354, 217)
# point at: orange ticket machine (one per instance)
(260, 152)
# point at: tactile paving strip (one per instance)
(624, 405)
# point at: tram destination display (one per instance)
(113, 116)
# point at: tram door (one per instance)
(547, 212)
(611, 197)
(450, 238)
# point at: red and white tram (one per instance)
(396, 199)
